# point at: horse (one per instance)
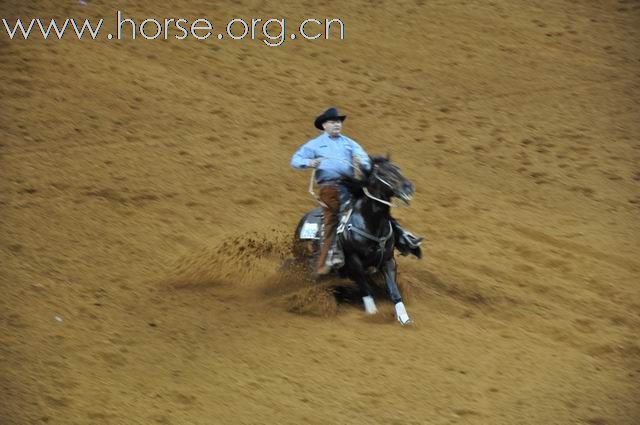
(365, 231)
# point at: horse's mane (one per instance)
(356, 186)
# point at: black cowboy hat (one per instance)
(329, 114)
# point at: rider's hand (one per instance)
(357, 168)
(315, 162)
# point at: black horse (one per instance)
(366, 231)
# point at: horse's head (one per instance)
(387, 179)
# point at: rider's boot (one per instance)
(323, 270)
(334, 258)
(406, 242)
(324, 267)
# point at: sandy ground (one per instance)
(146, 203)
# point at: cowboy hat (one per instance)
(329, 114)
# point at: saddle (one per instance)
(312, 225)
(406, 242)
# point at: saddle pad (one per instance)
(313, 223)
(311, 227)
(309, 231)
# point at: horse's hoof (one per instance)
(402, 315)
(369, 305)
(405, 321)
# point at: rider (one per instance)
(333, 155)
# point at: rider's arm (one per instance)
(303, 156)
(361, 154)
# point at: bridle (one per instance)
(386, 183)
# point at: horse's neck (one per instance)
(375, 213)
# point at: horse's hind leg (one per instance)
(389, 270)
(356, 272)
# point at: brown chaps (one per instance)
(330, 195)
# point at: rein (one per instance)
(382, 201)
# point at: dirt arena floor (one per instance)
(147, 201)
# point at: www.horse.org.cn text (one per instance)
(272, 32)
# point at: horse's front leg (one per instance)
(357, 273)
(389, 270)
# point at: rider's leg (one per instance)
(330, 195)
(406, 242)
(336, 254)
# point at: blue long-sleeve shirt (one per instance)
(339, 153)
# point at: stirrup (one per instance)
(412, 240)
(335, 258)
(408, 243)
